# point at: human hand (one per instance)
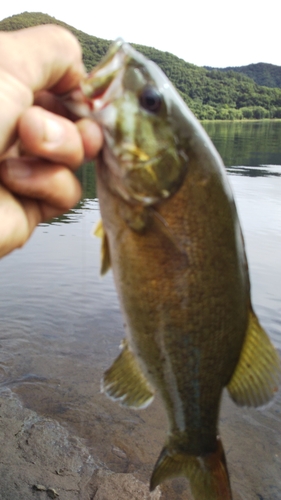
(40, 146)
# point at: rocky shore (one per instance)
(42, 459)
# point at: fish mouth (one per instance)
(133, 154)
(103, 85)
(100, 78)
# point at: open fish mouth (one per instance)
(104, 73)
(103, 85)
(129, 98)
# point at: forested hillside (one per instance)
(210, 94)
(265, 74)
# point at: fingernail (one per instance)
(17, 170)
(53, 131)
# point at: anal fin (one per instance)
(125, 382)
(258, 372)
(105, 254)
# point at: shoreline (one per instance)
(243, 120)
(42, 458)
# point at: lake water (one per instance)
(60, 325)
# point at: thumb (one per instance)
(42, 56)
(34, 59)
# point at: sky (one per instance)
(215, 33)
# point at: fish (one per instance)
(171, 235)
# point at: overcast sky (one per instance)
(204, 32)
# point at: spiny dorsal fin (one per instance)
(207, 474)
(125, 382)
(105, 255)
(256, 377)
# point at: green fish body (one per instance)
(171, 235)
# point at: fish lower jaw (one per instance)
(76, 102)
(134, 198)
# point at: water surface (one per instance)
(60, 325)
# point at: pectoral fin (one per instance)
(125, 382)
(258, 372)
(105, 255)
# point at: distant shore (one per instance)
(243, 120)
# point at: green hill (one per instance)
(93, 48)
(210, 94)
(268, 75)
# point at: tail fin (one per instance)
(207, 474)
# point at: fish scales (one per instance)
(158, 297)
(171, 234)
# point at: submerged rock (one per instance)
(108, 485)
(39, 458)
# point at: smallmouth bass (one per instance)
(171, 235)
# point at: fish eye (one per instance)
(151, 99)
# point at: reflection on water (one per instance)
(60, 324)
(261, 171)
(247, 143)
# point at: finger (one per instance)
(90, 131)
(19, 217)
(54, 61)
(15, 226)
(37, 211)
(49, 101)
(51, 136)
(92, 137)
(55, 185)
(53, 103)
